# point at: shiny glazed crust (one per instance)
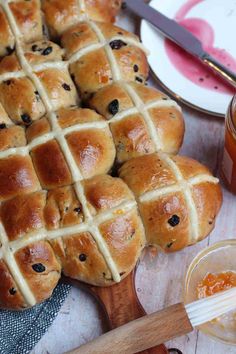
(91, 230)
(59, 15)
(142, 119)
(178, 199)
(100, 54)
(59, 211)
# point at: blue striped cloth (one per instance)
(21, 331)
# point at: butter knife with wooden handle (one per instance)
(181, 36)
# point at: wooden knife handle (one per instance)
(142, 333)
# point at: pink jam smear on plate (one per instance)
(192, 68)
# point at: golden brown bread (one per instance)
(89, 141)
(91, 229)
(62, 208)
(100, 54)
(178, 198)
(27, 17)
(59, 15)
(10, 298)
(59, 210)
(17, 176)
(142, 119)
(12, 137)
(112, 207)
(7, 40)
(39, 268)
(19, 95)
(90, 146)
(21, 92)
(23, 214)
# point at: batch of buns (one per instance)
(84, 190)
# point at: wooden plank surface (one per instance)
(160, 278)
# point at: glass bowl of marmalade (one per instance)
(228, 170)
(214, 270)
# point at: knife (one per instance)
(181, 37)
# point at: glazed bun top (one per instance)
(60, 15)
(60, 211)
(142, 119)
(100, 54)
(178, 198)
(33, 19)
(90, 230)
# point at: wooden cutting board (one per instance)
(120, 305)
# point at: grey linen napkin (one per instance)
(20, 331)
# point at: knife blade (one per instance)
(181, 36)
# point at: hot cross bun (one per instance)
(91, 230)
(178, 198)
(26, 18)
(34, 81)
(60, 211)
(142, 119)
(60, 15)
(32, 19)
(100, 54)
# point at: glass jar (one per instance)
(218, 258)
(228, 169)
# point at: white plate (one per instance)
(215, 22)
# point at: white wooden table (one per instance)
(160, 279)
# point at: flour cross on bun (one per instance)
(49, 212)
(107, 223)
(178, 198)
(60, 211)
(36, 18)
(144, 120)
(100, 54)
(60, 15)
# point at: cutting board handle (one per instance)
(121, 305)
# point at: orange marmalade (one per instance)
(214, 283)
(229, 158)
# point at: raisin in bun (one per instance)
(100, 54)
(26, 23)
(178, 198)
(60, 211)
(35, 80)
(29, 21)
(90, 230)
(142, 119)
